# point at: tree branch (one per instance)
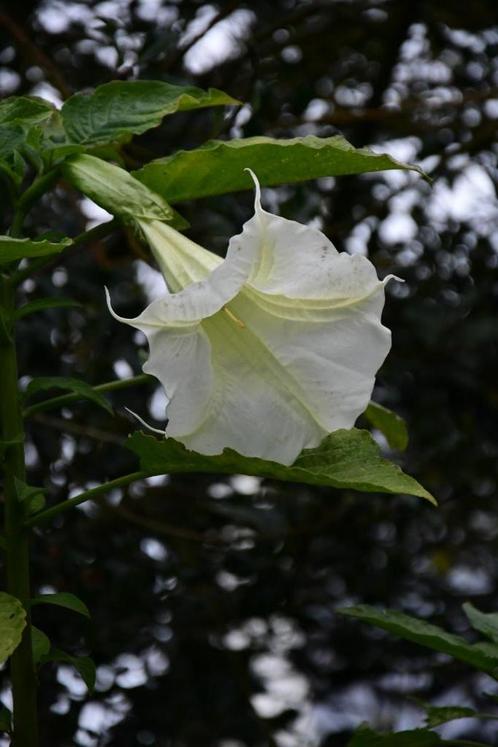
(33, 53)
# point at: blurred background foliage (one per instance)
(213, 599)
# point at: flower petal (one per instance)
(249, 409)
(271, 349)
(180, 358)
(199, 299)
(181, 260)
(328, 358)
(297, 261)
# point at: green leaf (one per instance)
(24, 110)
(117, 191)
(20, 132)
(218, 166)
(5, 720)
(40, 304)
(13, 249)
(116, 111)
(484, 622)
(84, 665)
(41, 645)
(63, 599)
(11, 138)
(365, 737)
(345, 459)
(438, 715)
(481, 656)
(84, 390)
(387, 422)
(31, 497)
(12, 624)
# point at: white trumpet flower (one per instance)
(269, 350)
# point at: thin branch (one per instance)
(69, 426)
(97, 232)
(160, 527)
(87, 495)
(181, 51)
(33, 53)
(68, 399)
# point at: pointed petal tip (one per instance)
(146, 425)
(112, 312)
(257, 187)
(109, 304)
(392, 277)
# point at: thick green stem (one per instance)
(68, 399)
(16, 535)
(87, 495)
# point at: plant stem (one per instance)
(97, 232)
(16, 536)
(68, 399)
(40, 185)
(87, 495)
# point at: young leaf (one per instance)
(24, 110)
(485, 622)
(84, 390)
(63, 599)
(12, 624)
(117, 191)
(365, 737)
(115, 111)
(84, 665)
(12, 138)
(41, 645)
(40, 304)
(387, 422)
(218, 166)
(345, 459)
(481, 656)
(13, 249)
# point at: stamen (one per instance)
(232, 316)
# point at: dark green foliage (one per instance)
(12, 623)
(345, 459)
(118, 110)
(14, 249)
(68, 384)
(63, 599)
(219, 167)
(481, 656)
(365, 737)
(389, 423)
